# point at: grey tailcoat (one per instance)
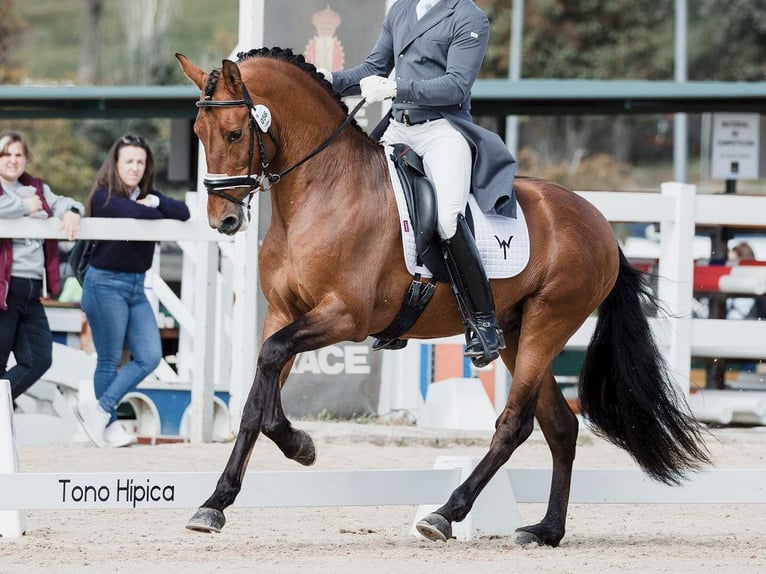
(437, 60)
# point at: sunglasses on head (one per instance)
(130, 139)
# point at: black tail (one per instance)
(626, 393)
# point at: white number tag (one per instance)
(262, 117)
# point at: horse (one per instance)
(332, 270)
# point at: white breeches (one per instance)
(447, 159)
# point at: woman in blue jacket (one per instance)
(113, 295)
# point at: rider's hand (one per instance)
(377, 89)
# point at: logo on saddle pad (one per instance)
(504, 245)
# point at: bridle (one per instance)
(259, 122)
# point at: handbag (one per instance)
(79, 258)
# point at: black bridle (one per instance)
(214, 183)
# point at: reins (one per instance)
(260, 115)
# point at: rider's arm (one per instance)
(462, 55)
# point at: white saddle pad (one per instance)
(503, 242)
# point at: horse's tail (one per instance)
(626, 393)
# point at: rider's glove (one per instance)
(377, 89)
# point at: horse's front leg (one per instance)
(294, 443)
(263, 410)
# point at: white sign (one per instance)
(735, 146)
(334, 360)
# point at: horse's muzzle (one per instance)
(231, 223)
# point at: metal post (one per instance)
(680, 121)
(514, 72)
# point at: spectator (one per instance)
(29, 268)
(744, 307)
(741, 252)
(113, 295)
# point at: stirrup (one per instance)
(484, 340)
(388, 344)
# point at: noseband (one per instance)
(260, 115)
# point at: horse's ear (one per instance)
(231, 76)
(196, 75)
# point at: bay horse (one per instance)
(332, 270)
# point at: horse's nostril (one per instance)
(230, 224)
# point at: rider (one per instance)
(436, 48)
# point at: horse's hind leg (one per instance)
(513, 427)
(559, 426)
(533, 391)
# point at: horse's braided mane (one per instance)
(284, 54)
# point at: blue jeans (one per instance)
(24, 330)
(119, 314)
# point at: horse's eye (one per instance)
(234, 136)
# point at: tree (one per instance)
(593, 39)
(90, 39)
(146, 24)
(588, 39)
(11, 26)
(598, 39)
(727, 40)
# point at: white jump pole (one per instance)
(11, 521)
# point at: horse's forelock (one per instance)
(212, 82)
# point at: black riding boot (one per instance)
(469, 282)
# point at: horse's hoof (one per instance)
(435, 527)
(207, 520)
(538, 534)
(306, 454)
(523, 538)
